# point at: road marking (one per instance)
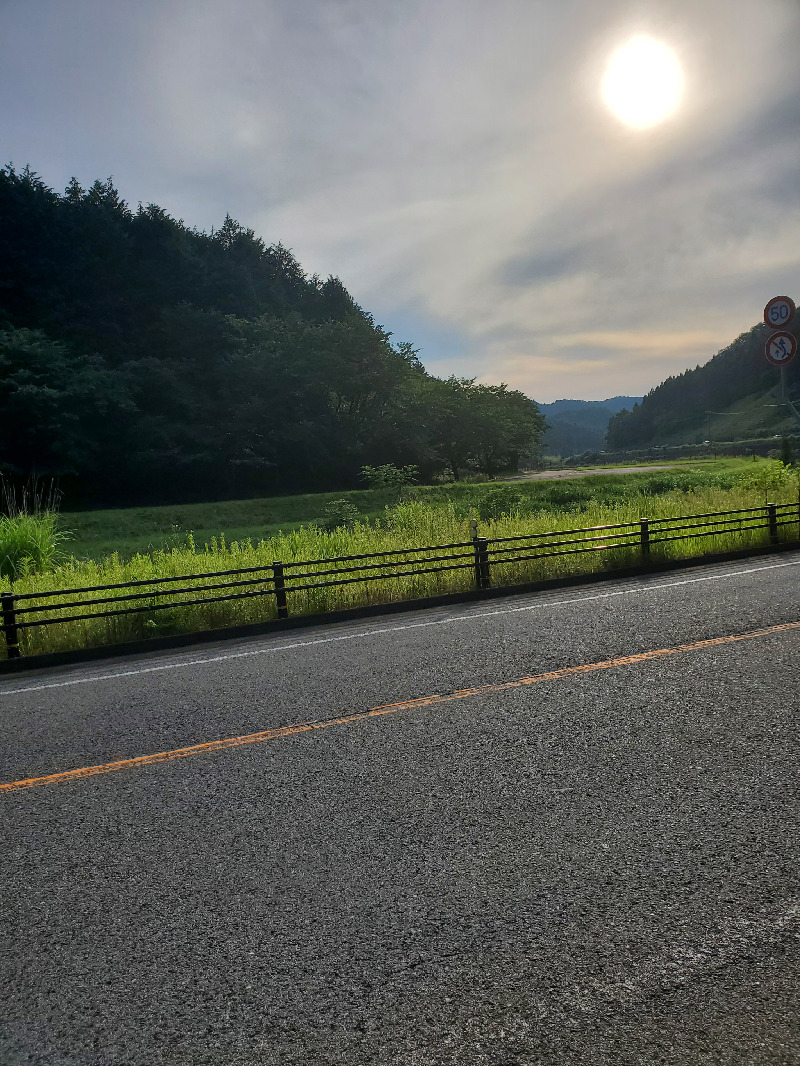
(367, 633)
(388, 708)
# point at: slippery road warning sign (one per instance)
(780, 349)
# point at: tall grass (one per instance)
(30, 535)
(412, 523)
(133, 530)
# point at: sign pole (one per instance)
(795, 413)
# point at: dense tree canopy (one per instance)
(144, 360)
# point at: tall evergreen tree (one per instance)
(150, 361)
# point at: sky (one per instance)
(452, 161)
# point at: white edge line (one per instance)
(474, 616)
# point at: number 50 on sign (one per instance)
(779, 312)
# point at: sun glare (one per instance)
(643, 82)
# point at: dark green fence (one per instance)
(288, 582)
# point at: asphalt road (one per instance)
(599, 866)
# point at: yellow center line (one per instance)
(389, 708)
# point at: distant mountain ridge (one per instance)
(580, 425)
(616, 403)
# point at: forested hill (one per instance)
(141, 360)
(730, 397)
(575, 426)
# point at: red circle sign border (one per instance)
(775, 300)
(793, 346)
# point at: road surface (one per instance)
(557, 828)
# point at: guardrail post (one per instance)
(10, 626)
(480, 546)
(280, 590)
(476, 550)
(772, 519)
(483, 575)
(644, 537)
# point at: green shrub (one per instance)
(771, 478)
(657, 486)
(388, 476)
(340, 514)
(569, 495)
(500, 502)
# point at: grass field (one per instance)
(435, 515)
(96, 534)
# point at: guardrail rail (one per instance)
(289, 580)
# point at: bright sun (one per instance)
(643, 82)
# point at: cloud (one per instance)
(452, 162)
(638, 341)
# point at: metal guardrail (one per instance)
(482, 556)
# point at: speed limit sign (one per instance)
(780, 349)
(779, 312)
